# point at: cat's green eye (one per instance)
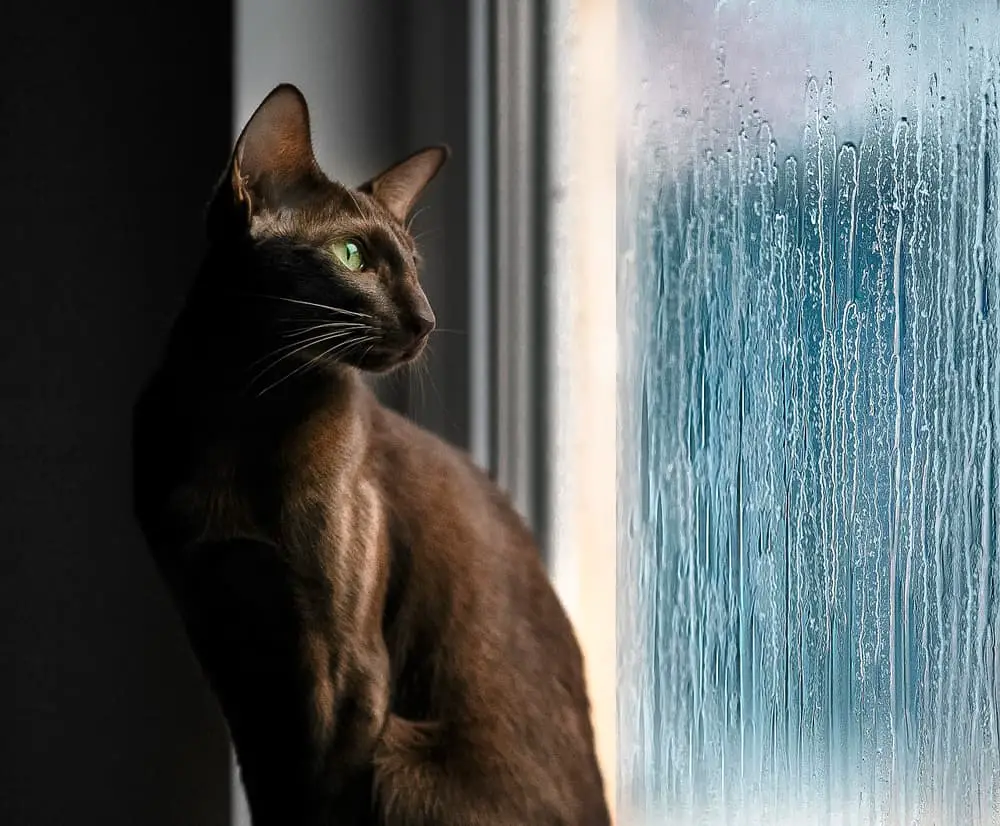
(349, 254)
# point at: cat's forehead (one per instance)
(333, 210)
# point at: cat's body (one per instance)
(368, 607)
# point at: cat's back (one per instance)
(474, 567)
(461, 530)
(439, 497)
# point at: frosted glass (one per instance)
(809, 413)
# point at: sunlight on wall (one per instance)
(582, 298)
(809, 403)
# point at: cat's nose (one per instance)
(422, 324)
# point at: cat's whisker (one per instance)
(413, 217)
(347, 326)
(422, 373)
(293, 344)
(424, 366)
(425, 234)
(317, 320)
(342, 345)
(305, 366)
(298, 347)
(357, 206)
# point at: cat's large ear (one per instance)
(398, 188)
(273, 162)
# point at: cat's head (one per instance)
(328, 271)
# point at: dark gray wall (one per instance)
(114, 122)
(433, 81)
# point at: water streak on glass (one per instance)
(809, 413)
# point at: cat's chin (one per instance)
(387, 359)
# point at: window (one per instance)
(810, 411)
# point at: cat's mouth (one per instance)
(415, 348)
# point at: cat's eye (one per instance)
(349, 254)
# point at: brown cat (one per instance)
(371, 612)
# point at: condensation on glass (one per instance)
(809, 413)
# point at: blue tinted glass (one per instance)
(810, 389)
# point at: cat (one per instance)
(370, 611)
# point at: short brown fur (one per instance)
(370, 610)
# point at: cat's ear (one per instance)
(398, 188)
(273, 162)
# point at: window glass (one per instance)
(809, 412)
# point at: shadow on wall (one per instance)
(115, 125)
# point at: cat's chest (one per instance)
(329, 487)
